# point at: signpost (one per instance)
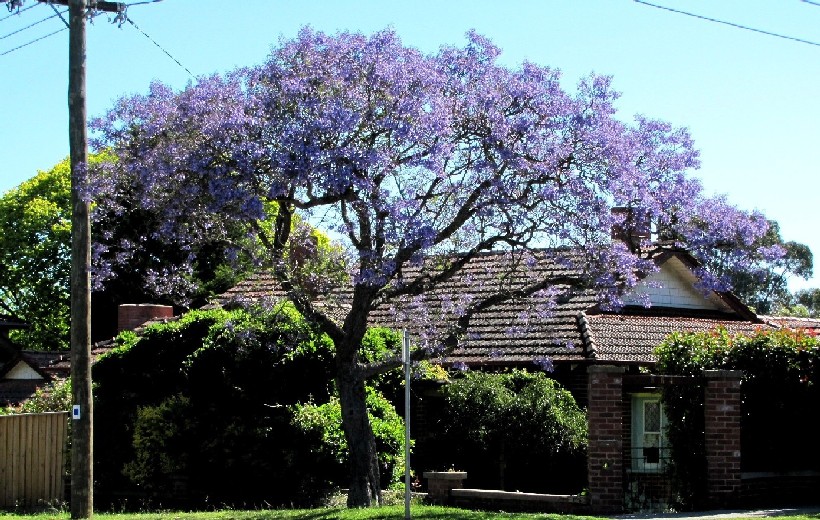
(405, 357)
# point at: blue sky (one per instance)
(750, 100)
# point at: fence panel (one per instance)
(32, 451)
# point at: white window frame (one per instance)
(641, 438)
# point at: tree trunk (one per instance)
(365, 489)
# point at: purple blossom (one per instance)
(412, 161)
(544, 363)
(460, 366)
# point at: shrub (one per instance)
(779, 393)
(516, 430)
(324, 422)
(213, 406)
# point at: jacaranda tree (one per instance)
(405, 156)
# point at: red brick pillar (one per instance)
(606, 444)
(722, 417)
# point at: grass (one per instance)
(331, 513)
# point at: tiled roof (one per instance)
(55, 364)
(512, 331)
(15, 391)
(631, 338)
(575, 330)
(258, 286)
(791, 322)
(10, 322)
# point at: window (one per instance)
(648, 433)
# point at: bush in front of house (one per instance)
(208, 408)
(517, 430)
(323, 424)
(779, 392)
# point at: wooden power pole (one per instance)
(82, 438)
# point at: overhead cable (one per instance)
(32, 25)
(129, 20)
(15, 13)
(731, 24)
(61, 29)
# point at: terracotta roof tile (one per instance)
(632, 338)
(15, 391)
(571, 332)
(791, 322)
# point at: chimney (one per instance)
(632, 226)
(131, 315)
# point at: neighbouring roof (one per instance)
(28, 370)
(15, 391)
(791, 322)
(11, 322)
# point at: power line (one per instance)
(812, 3)
(59, 14)
(32, 25)
(11, 8)
(731, 24)
(129, 20)
(33, 41)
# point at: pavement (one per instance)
(726, 514)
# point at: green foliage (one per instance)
(324, 421)
(161, 435)
(809, 301)
(382, 343)
(55, 397)
(35, 233)
(547, 420)
(779, 390)
(550, 430)
(236, 406)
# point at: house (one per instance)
(600, 355)
(22, 372)
(604, 357)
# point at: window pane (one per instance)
(652, 416)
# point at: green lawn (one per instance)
(382, 513)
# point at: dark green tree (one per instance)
(762, 282)
(805, 303)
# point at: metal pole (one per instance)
(405, 355)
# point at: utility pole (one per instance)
(82, 437)
(82, 440)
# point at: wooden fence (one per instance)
(32, 451)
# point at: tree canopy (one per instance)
(402, 156)
(35, 230)
(761, 281)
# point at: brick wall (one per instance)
(606, 440)
(722, 414)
